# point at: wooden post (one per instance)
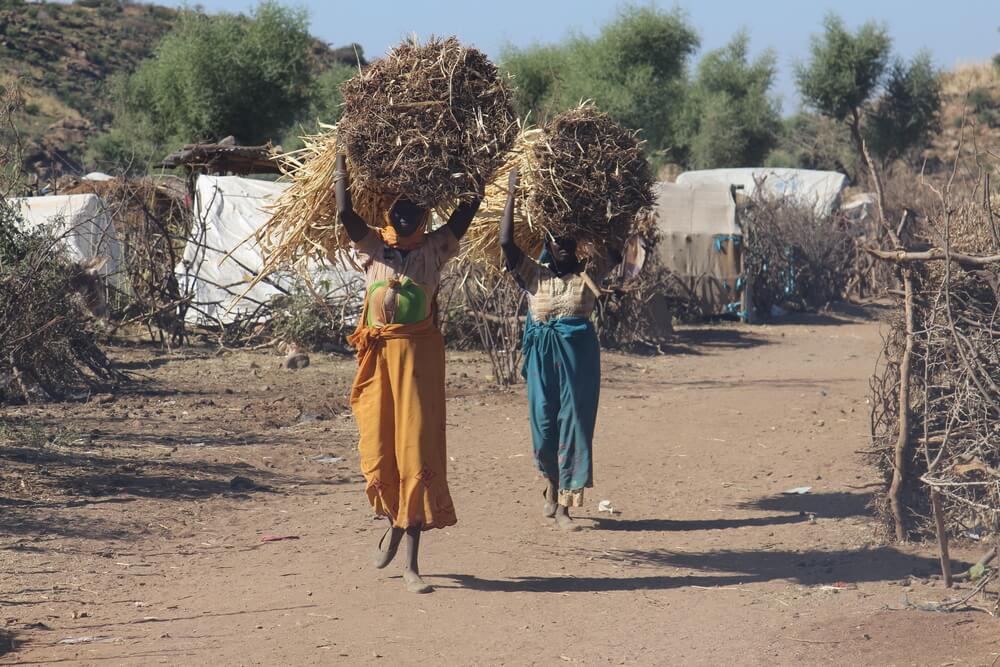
(902, 450)
(942, 535)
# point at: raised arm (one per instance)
(511, 252)
(356, 227)
(462, 216)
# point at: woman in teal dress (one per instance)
(562, 362)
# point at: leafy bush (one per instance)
(213, 76)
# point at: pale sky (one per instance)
(958, 31)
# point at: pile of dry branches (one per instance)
(497, 307)
(936, 393)
(48, 347)
(636, 314)
(153, 226)
(428, 122)
(793, 257)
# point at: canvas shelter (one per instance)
(83, 225)
(221, 257)
(701, 242)
(819, 189)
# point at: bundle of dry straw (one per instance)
(481, 245)
(582, 175)
(427, 123)
(590, 179)
(304, 222)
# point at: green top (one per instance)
(411, 302)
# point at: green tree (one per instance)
(730, 118)
(634, 69)
(887, 105)
(844, 71)
(325, 105)
(214, 76)
(906, 115)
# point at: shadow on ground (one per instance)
(700, 340)
(836, 314)
(7, 640)
(836, 504)
(676, 525)
(720, 568)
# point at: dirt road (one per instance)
(125, 539)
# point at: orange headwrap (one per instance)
(391, 237)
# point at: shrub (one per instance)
(47, 345)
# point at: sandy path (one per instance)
(707, 562)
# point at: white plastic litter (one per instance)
(326, 458)
(606, 506)
(797, 491)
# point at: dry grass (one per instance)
(590, 179)
(304, 222)
(967, 77)
(481, 245)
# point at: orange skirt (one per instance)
(398, 402)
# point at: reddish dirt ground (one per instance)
(126, 540)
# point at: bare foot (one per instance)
(564, 521)
(415, 583)
(384, 553)
(549, 506)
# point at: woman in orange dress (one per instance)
(398, 395)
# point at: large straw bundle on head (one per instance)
(582, 175)
(588, 180)
(427, 122)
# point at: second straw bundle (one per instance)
(582, 175)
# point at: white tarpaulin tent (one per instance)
(820, 189)
(81, 222)
(701, 242)
(228, 211)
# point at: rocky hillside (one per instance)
(64, 55)
(970, 115)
